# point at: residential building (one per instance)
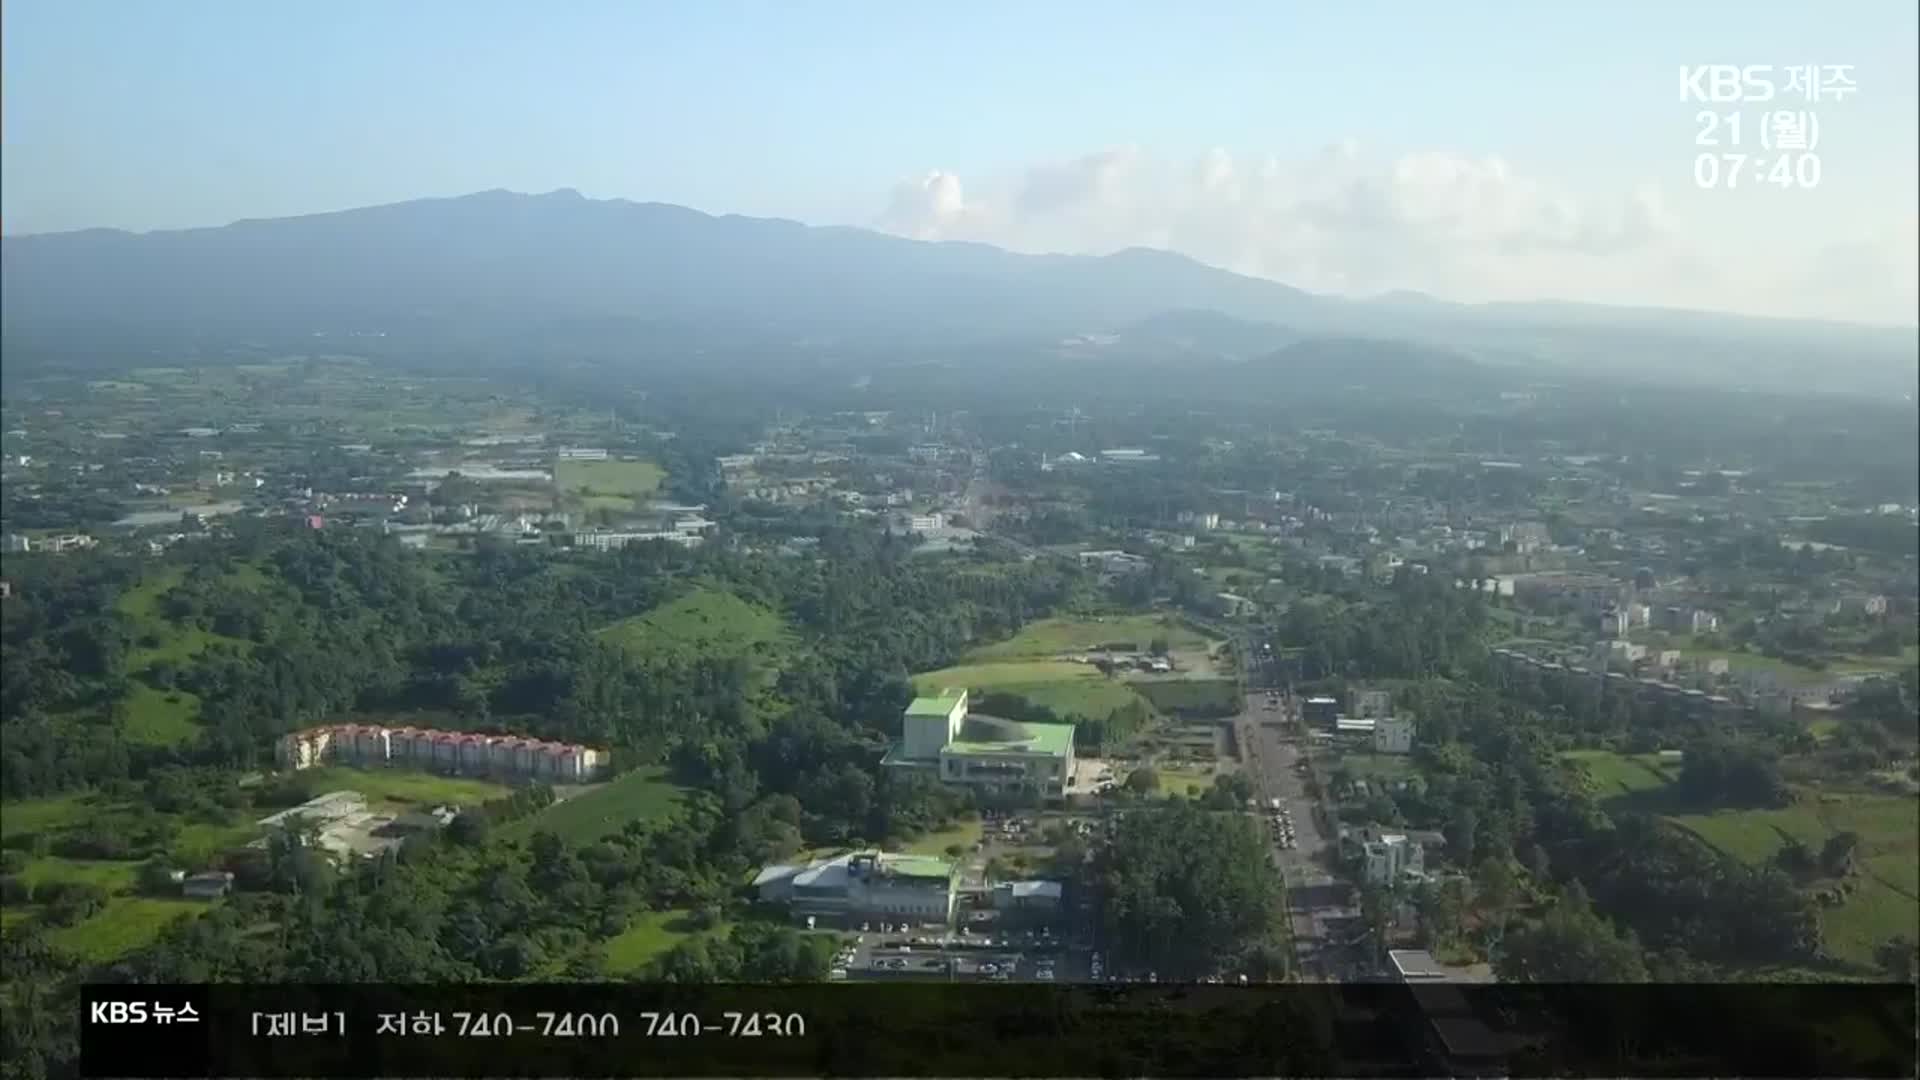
(583, 453)
(1706, 622)
(1393, 735)
(863, 885)
(987, 753)
(444, 751)
(18, 544)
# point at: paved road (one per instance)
(1273, 750)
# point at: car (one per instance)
(1044, 976)
(837, 973)
(988, 969)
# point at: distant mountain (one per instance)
(559, 274)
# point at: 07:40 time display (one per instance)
(1732, 170)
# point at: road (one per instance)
(1273, 753)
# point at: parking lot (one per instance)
(882, 951)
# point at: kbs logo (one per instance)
(1723, 83)
(119, 1012)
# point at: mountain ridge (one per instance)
(501, 264)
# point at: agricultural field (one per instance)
(126, 924)
(1611, 775)
(1886, 883)
(641, 795)
(1886, 886)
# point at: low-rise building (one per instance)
(863, 885)
(1393, 735)
(1032, 896)
(1391, 858)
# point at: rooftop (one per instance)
(916, 866)
(993, 735)
(938, 705)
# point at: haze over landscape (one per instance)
(1241, 539)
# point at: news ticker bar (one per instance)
(1005, 1030)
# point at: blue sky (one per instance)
(164, 115)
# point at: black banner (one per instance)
(925, 1029)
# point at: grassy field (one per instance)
(1183, 779)
(127, 923)
(650, 936)
(25, 817)
(704, 622)
(405, 787)
(637, 796)
(1886, 886)
(1067, 688)
(965, 833)
(159, 717)
(607, 485)
(1052, 637)
(1376, 766)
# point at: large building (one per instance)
(443, 751)
(863, 885)
(1000, 757)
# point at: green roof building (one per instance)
(1002, 757)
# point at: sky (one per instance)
(1473, 150)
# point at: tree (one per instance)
(1571, 944)
(1836, 855)
(1144, 780)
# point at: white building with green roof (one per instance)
(867, 884)
(1001, 757)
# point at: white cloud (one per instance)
(1458, 226)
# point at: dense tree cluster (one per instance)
(1186, 891)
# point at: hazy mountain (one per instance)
(558, 273)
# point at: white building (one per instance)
(865, 884)
(987, 753)
(583, 453)
(1393, 735)
(1392, 858)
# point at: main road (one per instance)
(1273, 754)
